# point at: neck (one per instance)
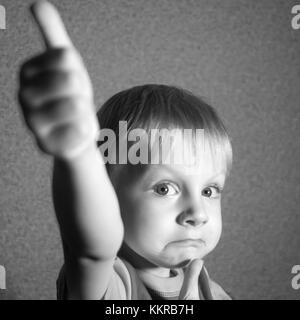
(140, 263)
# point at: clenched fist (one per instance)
(55, 92)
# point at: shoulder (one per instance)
(119, 287)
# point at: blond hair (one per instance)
(160, 106)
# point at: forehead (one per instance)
(199, 172)
(181, 155)
(206, 169)
(190, 153)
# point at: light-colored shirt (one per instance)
(127, 283)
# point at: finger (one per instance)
(55, 59)
(51, 25)
(59, 111)
(189, 289)
(44, 120)
(52, 85)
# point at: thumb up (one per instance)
(55, 93)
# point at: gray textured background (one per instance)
(243, 56)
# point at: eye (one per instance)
(212, 192)
(165, 188)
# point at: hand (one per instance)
(190, 286)
(55, 92)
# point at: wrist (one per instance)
(86, 154)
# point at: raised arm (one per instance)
(56, 97)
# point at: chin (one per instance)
(180, 261)
(183, 263)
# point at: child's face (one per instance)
(170, 215)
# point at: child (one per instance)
(130, 230)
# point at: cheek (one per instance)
(144, 222)
(218, 228)
(215, 229)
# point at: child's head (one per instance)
(171, 212)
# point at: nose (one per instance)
(194, 214)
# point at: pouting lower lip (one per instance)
(189, 242)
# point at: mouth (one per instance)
(189, 242)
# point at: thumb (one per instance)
(50, 24)
(189, 289)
